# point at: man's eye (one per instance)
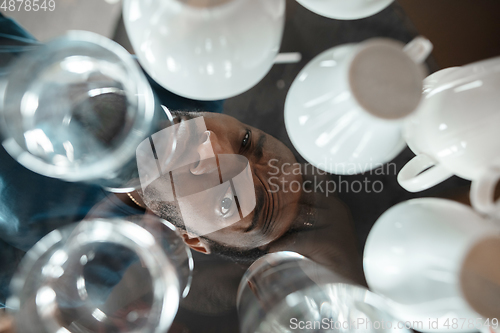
(226, 205)
(227, 202)
(246, 139)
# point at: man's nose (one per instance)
(207, 150)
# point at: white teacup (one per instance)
(455, 130)
(422, 255)
(205, 49)
(345, 9)
(343, 110)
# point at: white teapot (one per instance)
(455, 129)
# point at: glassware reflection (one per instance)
(76, 108)
(103, 276)
(285, 291)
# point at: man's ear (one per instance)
(195, 242)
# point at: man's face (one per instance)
(216, 210)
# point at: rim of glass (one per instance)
(185, 291)
(135, 184)
(117, 156)
(257, 265)
(139, 219)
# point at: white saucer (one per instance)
(345, 9)
(331, 137)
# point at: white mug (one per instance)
(343, 110)
(345, 10)
(205, 49)
(455, 130)
(422, 256)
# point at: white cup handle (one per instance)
(482, 192)
(416, 175)
(418, 49)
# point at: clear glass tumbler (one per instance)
(76, 108)
(285, 292)
(102, 276)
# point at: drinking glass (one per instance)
(285, 291)
(102, 276)
(76, 108)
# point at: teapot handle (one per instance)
(482, 192)
(418, 49)
(422, 172)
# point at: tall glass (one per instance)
(76, 108)
(286, 292)
(102, 276)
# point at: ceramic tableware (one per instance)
(435, 261)
(455, 130)
(343, 111)
(345, 10)
(205, 49)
